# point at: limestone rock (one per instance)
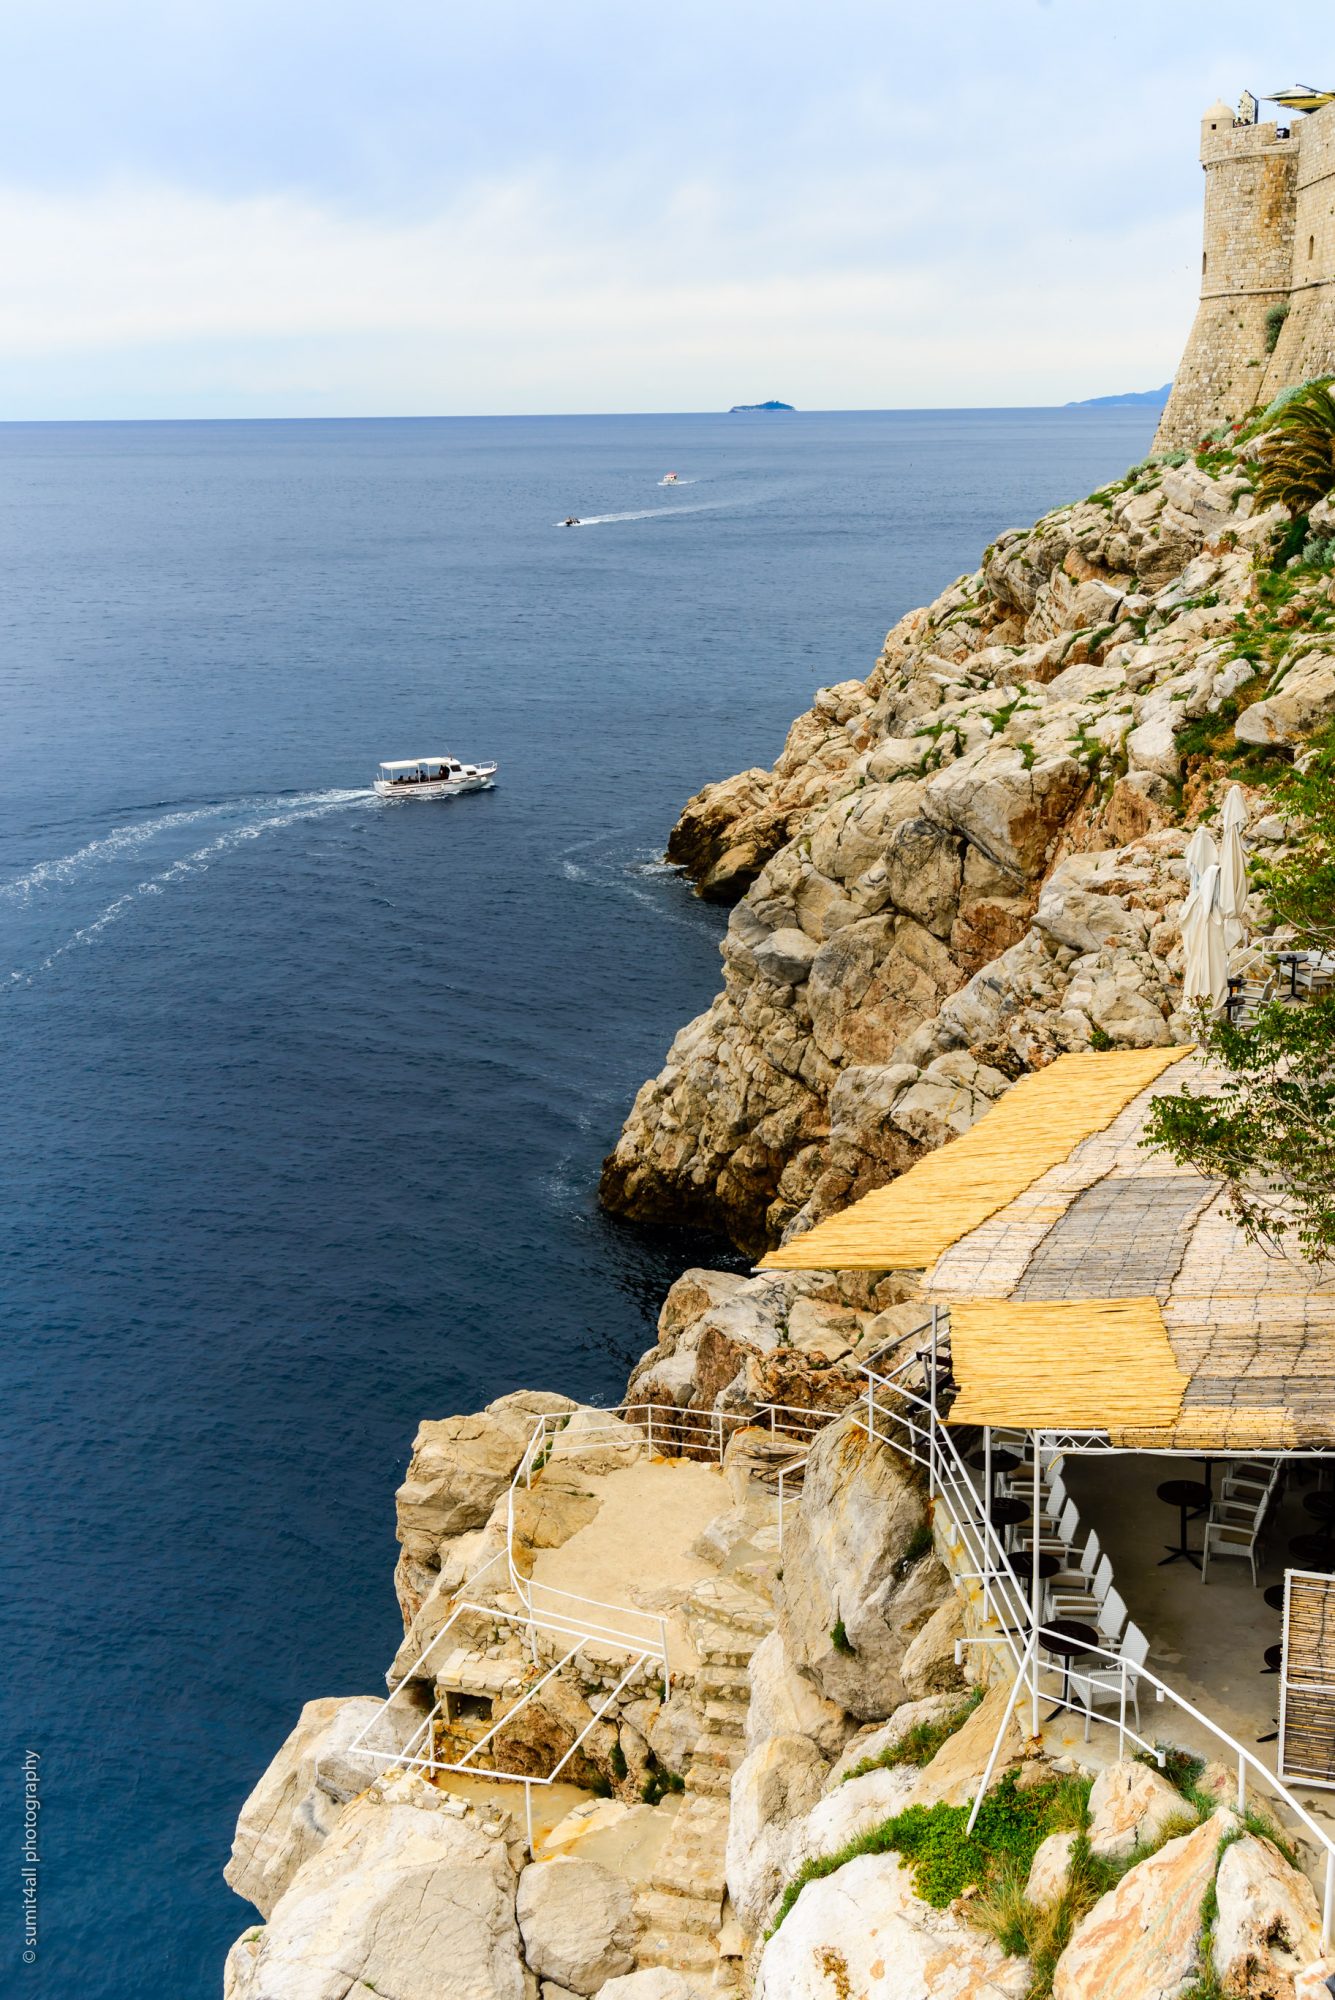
(460, 1467)
(846, 1811)
(1143, 1937)
(654, 1982)
(929, 1665)
(784, 1703)
(401, 1899)
(1050, 1869)
(952, 1776)
(1130, 1806)
(1268, 1925)
(844, 1566)
(785, 956)
(862, 1931)
(298, 1801)
(868, 1744)
(676, 1729)
(578, 1922)
(776, 1784)
(1303, 702)
(1312, 1983)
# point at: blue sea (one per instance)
(305, 1094)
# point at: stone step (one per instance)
(680, 1951)
(709, 1779)
(724, 1718)
(721, 1601)
(725, 1683)
(721, 1645)
(663, 1912)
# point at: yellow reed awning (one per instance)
(906, 1225)
(1059, 1364)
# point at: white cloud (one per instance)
(886, 289)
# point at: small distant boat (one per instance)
(571, 521)
(432, 778)
(669, 479)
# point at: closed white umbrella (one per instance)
(1205, 968)
(1233, 869)
(1201, 854)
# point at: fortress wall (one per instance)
(1246, 268)
(1307, 342)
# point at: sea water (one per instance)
(305, 1094)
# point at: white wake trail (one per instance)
(651, 513)
(125, 839)
(315, 805)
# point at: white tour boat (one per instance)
(432, 778)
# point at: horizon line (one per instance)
(1131, 401)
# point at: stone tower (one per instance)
(1251, 180)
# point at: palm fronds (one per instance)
(1298, 456)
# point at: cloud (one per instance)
(870, 291)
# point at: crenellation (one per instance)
(1268, 241)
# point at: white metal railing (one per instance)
(559, 1614)
(924, 1439)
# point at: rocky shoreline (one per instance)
(958, 868)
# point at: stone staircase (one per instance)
(682, 1906)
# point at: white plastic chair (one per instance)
(1085, 1602)
(1061, 1538)
(1234, 1530)
(1102, 1685)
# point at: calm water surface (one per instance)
(305, 1095)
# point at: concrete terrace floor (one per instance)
(1207, 1641)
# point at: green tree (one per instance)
(1268, 1130)
(1298, 452)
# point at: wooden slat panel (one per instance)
(1085, 1364)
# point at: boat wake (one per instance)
(649, 513)
(282, 812)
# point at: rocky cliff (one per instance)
(971, 860)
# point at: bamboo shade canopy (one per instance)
(907, 1225)
(1064, 1364)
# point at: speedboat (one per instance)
(432, 778)
(572, 521)
(668, 479)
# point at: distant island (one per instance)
(739, 409)
(1157, 397)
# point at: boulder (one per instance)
(952, 1776)
(1010, 801)
(1303, 702)
(1050, 1869)
(862, 1931)
(401, 1899)
(676, 1729)
(776, 1784)
(929, 1665)
(850, 1605)
(785, 957)
(297, 1803)
(460, 1467)
(850, 1809)
(868, 1744)
(1143, 1937)
(1268, 1925)
(784, 1703)
(1313, 1982)
(654, 1982)
(1131, 1806)
(578, 1922)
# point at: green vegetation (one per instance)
(1268, 1131)
(945, 1859)
(919, 1744)
(1274, 321)
(839, 1638)
(1298, 455)
(1027, 755)
(919, 1542)
(618, 1762)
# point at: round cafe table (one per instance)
(1067, 1637)
(1273, 1596)
(1003, 1464)
(1185, 1495)
(1007, 1513)
(1321, 1506)
(1312, 1551)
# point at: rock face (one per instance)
(401, 1899)
(1268, 1925)
(297, 1803)
(1131, 1806)
(784, 1703)
(963, 865)
(577, 1922)
(863, 1931)
(1144, 1936)
(852, 1601)
(777, 1784)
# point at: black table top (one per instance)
(1184, 1492)
(1049, 1562)
(1322, 1505)
(1274, 1596)
(1068, 1636)
(1007, 1513)
(1313, 1551)
(1002, 1460)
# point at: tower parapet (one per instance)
(1251, 179)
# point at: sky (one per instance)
(214, 208)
